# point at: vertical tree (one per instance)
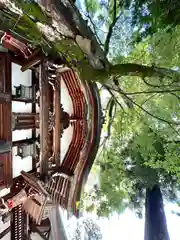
(155, 219)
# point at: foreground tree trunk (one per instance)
(96, 68)
(155, 219)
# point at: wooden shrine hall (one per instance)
(39, 169)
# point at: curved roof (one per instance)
(95, 134)
(91, 140)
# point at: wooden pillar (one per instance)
(25, 121)
(5, 97)
(35, 83)
(57, 127)
(5, 170)
(5, 74)
(5, 146)
(44, 116)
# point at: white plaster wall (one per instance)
(4, 192)
(68, 107)
(66, 140)
(19, 164)
(19, 77)
(65, 98)
(37, 108)
(21, 107)
(21, 134)
(37, 132)
(3, 227)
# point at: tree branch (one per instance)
(110, 32)
(149, 98)
(175, 141)
(152, 92)
(114, 97)
(138, 70)
(147, 92)
(159, 86)
(150, 114)
(94, 27)
(175, 95)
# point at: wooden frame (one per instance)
(5, 115)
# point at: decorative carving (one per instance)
(51, 121)
(14, 121)
(65, 119)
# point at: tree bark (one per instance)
(89, 70)
(132, 69)
(155, 219)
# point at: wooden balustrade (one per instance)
(18, 220)
(59, 188)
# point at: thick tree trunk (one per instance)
(89, 70)
(132, 69)
(155, 219)
(129, 69)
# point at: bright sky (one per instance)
(128, 227)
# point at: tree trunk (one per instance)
(89, 70)
(155, 219)
(132, 69)
(129, 69)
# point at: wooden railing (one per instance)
(18, 221)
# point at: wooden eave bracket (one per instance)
(33, 60)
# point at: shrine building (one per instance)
(50, 125)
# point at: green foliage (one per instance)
(142, 151)
(32, 9)
(92, 6)
(150, 16)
